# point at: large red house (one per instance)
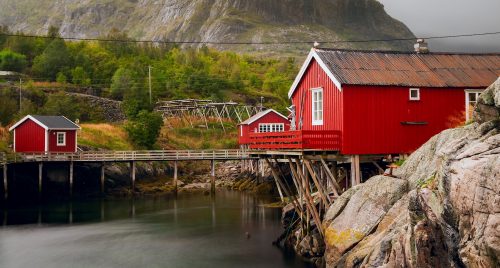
(44, 134)
(378, 102)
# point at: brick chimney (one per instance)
(421, 46)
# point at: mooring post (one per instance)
(175, 176)
(102, 178)
(132, 174)
(40, 178)
(71, 166)
(5, 183)
(212, 175)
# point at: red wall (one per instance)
(315, 77)
(70, 141)
(29, 137)
(271, 117)
(373, 116)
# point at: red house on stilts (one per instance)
(379, 102)
(45, 134)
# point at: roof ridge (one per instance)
(407, 52)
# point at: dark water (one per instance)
(191, 230)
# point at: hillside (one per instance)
(213, 20)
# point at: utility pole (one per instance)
(20, 96)
(150, 96)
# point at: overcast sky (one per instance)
(450, 17)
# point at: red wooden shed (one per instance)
(44, 134)
(263, 123)
(379, 102)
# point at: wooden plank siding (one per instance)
(29, 137)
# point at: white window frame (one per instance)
(317, 121)
(417, 98)
(271, 127)
(64, 139)
(467, 101)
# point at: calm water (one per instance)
(187, 231)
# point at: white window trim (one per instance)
(57, 139)
(271, 127)
(467, 100)
(418, 94)
(313, 106)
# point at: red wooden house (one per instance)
(45, 134)
(376, 103)
(263, 123)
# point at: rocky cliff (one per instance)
(212, 20)
(441, 210)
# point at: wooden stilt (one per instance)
(321, 191)
(355, 172)
(175, 176)
(333, 180)
(310, 202)
(40, 179)
(132, 174)
(5, 183)
(71, 178)
(102, 178)
(275, 176)
(212, 176)
(380, 169)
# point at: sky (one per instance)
(450, 17)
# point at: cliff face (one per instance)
(211, 20)
(442, 210)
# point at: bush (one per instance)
(145, 128)
(12, 61)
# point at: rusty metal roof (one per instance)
(411, 69)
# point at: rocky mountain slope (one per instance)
(441, 210)
(213, 20)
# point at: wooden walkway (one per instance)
(126, 156)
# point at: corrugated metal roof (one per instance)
(56, 122)
(411, 69)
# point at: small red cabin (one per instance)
(264, 123)
(376, 103)
(45, 134)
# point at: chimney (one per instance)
(421, 46)
(316, 45)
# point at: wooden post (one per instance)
(71, 178)
(355, 172)
(175, 176)
(212, 176)
(5, 183)
(132, 174)
(276, 181)
(321, 191)
(40, 178)
(309, 200)
(331, 176)
(102, 178)
(288, 192)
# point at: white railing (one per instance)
(116, 156)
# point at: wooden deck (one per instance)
(125, 156)
(298, 139)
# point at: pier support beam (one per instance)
(212, 176)
(355, 170)
(71, 177)
(5, 183)
(102, 178)
(175, 176)
(40, 179)
(132, 174)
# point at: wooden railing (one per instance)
(305, 139)
(117, 156)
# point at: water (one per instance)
(191, 230)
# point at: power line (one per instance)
(245, 43)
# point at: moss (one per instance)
(342, 238)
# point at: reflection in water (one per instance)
(189, 230)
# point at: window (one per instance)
(317, 106)
(414, 94)
(271, 127)
(471, 98)
(61, 138)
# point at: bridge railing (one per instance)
(110, 156)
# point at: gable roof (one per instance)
(49, 122)
(258, 115)
(388, 68)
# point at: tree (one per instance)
(54, 59)
(122, 81)
(61, 104)
(12, 61)
(8, 108)
(145, 128)
(80, 77)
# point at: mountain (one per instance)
(214, 20)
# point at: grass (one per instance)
(104, 136)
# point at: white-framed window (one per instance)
(317, 106)
(414, 94)
(61, 138)
(271, 127)
(471, 97)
